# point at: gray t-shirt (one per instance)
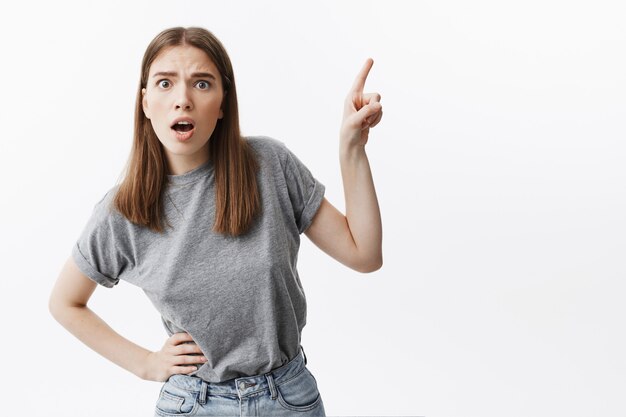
(240, 298)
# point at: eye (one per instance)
(204, 85)
(163, 83)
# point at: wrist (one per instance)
(143, 371)
(350, 151)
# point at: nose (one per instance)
(183, 100)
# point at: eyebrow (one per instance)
(175, 74)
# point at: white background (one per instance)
(499, 167)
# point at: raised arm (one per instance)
(356, 238)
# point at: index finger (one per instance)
(359, 82)
(182, 337)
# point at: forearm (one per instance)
(362, 211)
(90, 329)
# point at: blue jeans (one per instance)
(285, 391)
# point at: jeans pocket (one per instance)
(299, 393)
(175, 401)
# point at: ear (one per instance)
(144, 103)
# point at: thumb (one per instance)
(367, 111)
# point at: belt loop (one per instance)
(203, 393)
(302, 347)
(270, 382)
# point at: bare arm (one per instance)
(68, 305)
(356, 238)
(330, 232)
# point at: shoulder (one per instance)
(104, 210)
(269, 149)
(106, 202)
(276, 156)
(266, 144)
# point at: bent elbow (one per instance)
(54, 308)
(57, 307)
(371, 265)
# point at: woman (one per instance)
(208, 224)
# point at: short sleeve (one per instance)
(102, 251)
(305, 191)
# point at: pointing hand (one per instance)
(361, 111)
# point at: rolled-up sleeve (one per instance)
(305, 191)
(101, 252)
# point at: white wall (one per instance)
(499, 167)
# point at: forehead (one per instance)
(183, 58)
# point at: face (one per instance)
(183, 99)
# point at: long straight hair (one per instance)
(140, 195)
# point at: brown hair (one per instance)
(141, 192)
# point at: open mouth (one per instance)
(182, 126)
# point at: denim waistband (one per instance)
(243, 386)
